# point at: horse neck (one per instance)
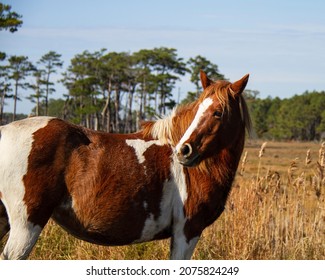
(220, 168)
(210, 183)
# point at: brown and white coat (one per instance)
(171, 179)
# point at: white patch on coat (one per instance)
(22, 238)
(181, 249)
(200, 112)
(179, 177)
(153, 226)
(171, 206)
(15, 145)
(140, 146)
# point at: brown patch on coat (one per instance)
(108, 188)
(48, 158)
(93, 183)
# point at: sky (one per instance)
(280, 43)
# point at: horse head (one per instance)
(219, 118)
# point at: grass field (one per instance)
(276, 210)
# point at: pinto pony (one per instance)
(171, 179)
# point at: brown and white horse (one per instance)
(171, 179)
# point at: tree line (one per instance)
(115, 91)
(301, 117)
(110, 91)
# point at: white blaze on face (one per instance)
(200, 112)
(140, 146)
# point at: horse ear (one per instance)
(239, 86)
(205, 80)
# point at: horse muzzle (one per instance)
(187, 155)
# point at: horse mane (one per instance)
(245, 116)
(170, 129)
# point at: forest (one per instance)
(301, 117)
(115, 91)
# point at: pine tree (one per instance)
(9, 20)
(197, 64)
(50, 62)
(19, 68)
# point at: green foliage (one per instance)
(321, 127)
(259, 111)
(298, 118)
(112, 82)
(49, 64)
(195, 65)
(9, 19)
(18, 69)
(115, 91)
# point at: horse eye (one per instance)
(217, 114)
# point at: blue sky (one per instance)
(280, 43)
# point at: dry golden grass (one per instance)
(276, 210)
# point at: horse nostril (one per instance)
(186, 150)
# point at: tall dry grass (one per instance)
(276, 210)
(275, 214)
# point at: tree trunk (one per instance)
(144, 99)
(15, 101)
(106, 112)
(2, 104)
(129, 122)
(96, 122)
(47, 95)
(156, 102)
(66, 108)
(37, 105)
(88, 121)
(80, 114)
(126, 112)
(95, 119)
(117, 109)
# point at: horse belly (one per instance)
(121, 229)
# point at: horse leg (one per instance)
(21, 241)
(181, 248)
(23, 232)
(4, 222)
(27, 218)
(22, 238)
